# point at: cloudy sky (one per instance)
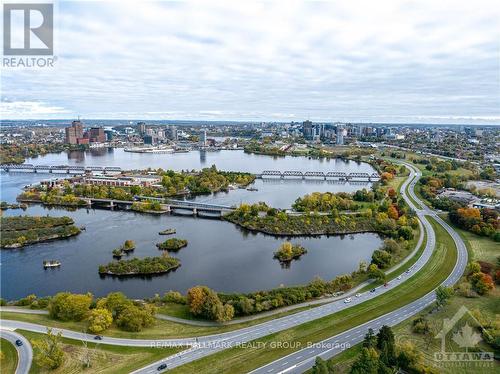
(372, 61)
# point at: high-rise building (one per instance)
(203, 138)
(74, 132)
(96, 135)
(307, 129)
(341, 132)
(173, 133)
(142, 127)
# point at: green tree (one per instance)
(370, 340)
(322, 367)
(115, 302)
(70, 307)
(367, 362)
(386, 345)
(443, 294)
(47, 351)
(99, 320)
(375, 273)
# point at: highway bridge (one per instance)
(168, 205)
(66, 169)
(331, 175)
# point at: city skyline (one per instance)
(390, 63)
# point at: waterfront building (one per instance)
(96, 135)
(203, 138)
(142, 127)
(74, 132)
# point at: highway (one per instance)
(24, 352)
(303, 359)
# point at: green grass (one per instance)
(244, 359)
(161, 329)
(104, 358)
(9, 357)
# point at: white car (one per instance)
(399, 278)
(358, 295)
(348, 300)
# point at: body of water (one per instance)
(219, 254)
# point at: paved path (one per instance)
(24, 352)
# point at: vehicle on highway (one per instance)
(386, 284)
(407, 271)
(162, 367)
(399, 278)
(348, 300)
(358, 295)
(19, 343)
(373, 290)
(98, 337)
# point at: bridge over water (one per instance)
(331, 175)
(65, 169)
(168, 205)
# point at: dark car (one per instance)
(162, 367)
(373, 290)
(98, 337)
(19, 343)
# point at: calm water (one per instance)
(219, 254)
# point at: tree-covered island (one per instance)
(141, 266)
(172, 244)
(288, 252)
(23, 230)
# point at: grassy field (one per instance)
(9, 358)
(103, 358)
(239, 360)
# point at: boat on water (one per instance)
(252, 189)
(167, 232)
(51, 263)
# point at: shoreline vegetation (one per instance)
(172, 244)
(141, 266)
(19, 231)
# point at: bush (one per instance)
(174, 297)
(135, 318)
(99, 320)
(69, 307)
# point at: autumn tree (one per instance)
(47, 351)
(70, 307)
(482, 283)
(99, 320)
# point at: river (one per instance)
(219, 254)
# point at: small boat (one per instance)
(167, 232)
(252, 189)
(51, 263)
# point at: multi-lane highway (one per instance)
(24, 352)
(301, 360)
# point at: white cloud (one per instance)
(263, 60)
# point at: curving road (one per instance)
(24, 352)
(304, 359)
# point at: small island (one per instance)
(19, 231)
(173, 244)
(288, 252)
(167, 232)
(141, 266)
(128, 246)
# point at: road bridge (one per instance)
(66, 169)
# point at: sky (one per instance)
(357, 61)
